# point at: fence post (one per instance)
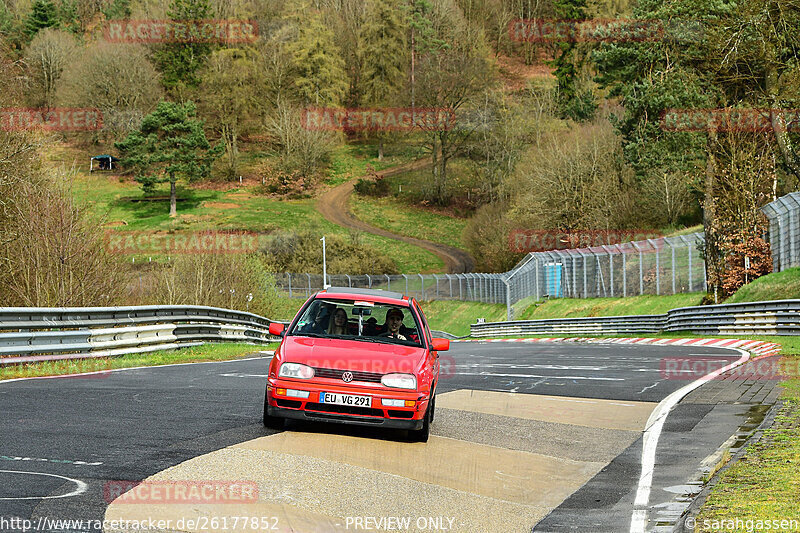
(437, 285)
(450, 283)
(349, 281)
(290, 284)
(538, 293)
(508, 300)
(369, 279)
(673, 267)
(422, 289)
(388, 282)
(406, 278)
(309, 284)
(460, 288)
(624, 275)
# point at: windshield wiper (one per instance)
(315, 335)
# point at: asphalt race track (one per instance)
(542, 437)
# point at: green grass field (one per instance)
(193, 354)
(777, 286)
(395, 216)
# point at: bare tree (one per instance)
(302, 149)
(117, 79)
(47, 56)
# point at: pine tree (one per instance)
(44, 14)
(68, 16)
(383, 56)
(321, 78)
(180, 62)
(119, 9)
(170, 145)
(572, 104)
(6, 20)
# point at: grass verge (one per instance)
(633, 305)
(192, 354)
(778, 286)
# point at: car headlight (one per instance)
(296, 370)
(400, 381)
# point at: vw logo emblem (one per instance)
(347, 377)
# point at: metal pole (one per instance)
(349, 281)
(406, 278)
(309, 284)
(388, 282)
(508, 301)
(324, 266)
(369, 279)
(422, 290)
(624, 275)
(538, 294)
(673, 268)
(290, 284)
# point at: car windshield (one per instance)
(359, 320)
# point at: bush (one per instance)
(301, 252)
(377, 188)
(230, 281)
(54, 253)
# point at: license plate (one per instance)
(345, 399)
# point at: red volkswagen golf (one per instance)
(356, 356)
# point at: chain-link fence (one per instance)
(488, 288)
(667, 265)
(784, 231)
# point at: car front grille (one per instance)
(333, 373)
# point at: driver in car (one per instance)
(394, 323)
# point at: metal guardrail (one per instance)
(777, 317)
(32, 334)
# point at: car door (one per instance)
(433, 356)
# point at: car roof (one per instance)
(366, 294)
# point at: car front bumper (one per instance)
(338, 418)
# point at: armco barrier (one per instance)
(777, 317)
(29, 334)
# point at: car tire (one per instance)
(422, 434)
(272, 422)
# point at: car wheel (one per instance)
(271, 422)
(422, 434)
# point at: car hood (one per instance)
(381, 358)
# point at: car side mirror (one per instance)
(440, 345)
(276, 329)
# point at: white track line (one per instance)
(81, 486)
(650, 441)
(65, 376)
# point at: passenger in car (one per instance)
(339, 323)
(372, 328)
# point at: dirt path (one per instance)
(333, 205)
